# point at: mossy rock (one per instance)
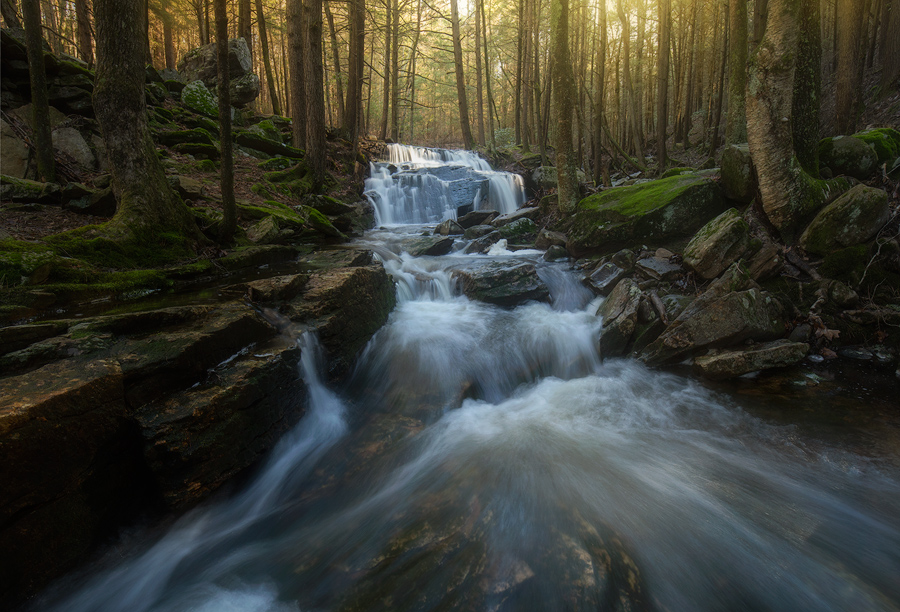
(650, 212)
(156, 93)
(277, 163)
(737, 173)
(320, 222)
(25, 263)
(255, 256)
(286, 216)
(192, 136)
(199, 121)
(259, 142)
(199, 99)
(676, 172)
(884, 141)
(718, 244)
(25, 191)
(207, 165)
(853, 218)
(153, 250)
(207, 151)
(266, 128)
(297, 181)
(846, 265)
(849, 156)
(518, 229)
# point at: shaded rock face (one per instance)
(14, 153)
(429, 245)
(849, 156)
(737, 173)
(649, 212)
(620, 315)
(853, 218)
(729, 364)
(201, 63)
(503, 284)
(718, 244)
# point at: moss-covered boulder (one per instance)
(849, 156)
(884, 141)
(296, 181)
(199, 99)
(853, 218)
(718, 244)
(203, 151)
(737, 173)
(267, 129)
(651, 212)
(192, 136)
(676, 172)
(260, 142)
(244, 90)
(25, 191)
(518, 230)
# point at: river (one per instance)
(482, 458)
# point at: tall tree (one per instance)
(315, 91)
(386, 98)
(267, 64)
(297, 71)
(355, 69)
(460, 78)
(9, 14)
(662, 81)
(83, 17)
(890, 47)
(479, 94)
(736, 125)
(395, 70)
(807, 88)
(40, 102)
(245, 20)
(563, 98)
(849, 72)
(226, 177)
(147, 206)
(339, 81)
(600, 97)
(632, 111)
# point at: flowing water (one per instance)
(487, 459)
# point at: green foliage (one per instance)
(146, 251)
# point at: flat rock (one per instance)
(547, 238)
(602, 280)
(503, 284)
(429, 245)
(731, 363)
(449, 227)
(658, 268)
(476, 217)
(522, 213)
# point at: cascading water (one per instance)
(420, 185)
(488, 459)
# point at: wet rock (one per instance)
(732, 363)
(737, 173)
(449, 227)
(547, 238)
(518, 229)
(624, 259)
(718, 244)
(556, 253)
(856, 354)
(848, 156)
(346, 306)
(657, 268)
(503, 284)
(15, 337)
(483, 244)
(476, 217)
(522, 213)
(251, 257)
(620, 316)
(276, 288)
(652, 211)
(197, 439)
(429, 245)
(477, 231)
(853, 218)
(602, 280)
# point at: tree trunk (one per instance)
(245, 29)
(315, 93)
(40, 104)
(386, 92)
(395, 71)
(632, 112)
(599, 101)
(226, 177)
(8, 12)
(337, 63)
(807, 88)
(848, 75)
(890, 48)
(479, 94)
(297, 71)
(563, 98)
(355, 70)
(85, 48)
(519, 61)
(147, 206)
(714, 141)
(468, 140)
(662, 82)
(760, 14)
(788, 195)
(736, 126)
(267, 64)
(168, 41)
(487, 76)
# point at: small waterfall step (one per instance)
(420, 185)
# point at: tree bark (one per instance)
(487, 76)
(245, 29)
(736, 126)
(662, 82)
(632, 113)
(890, 47)
(760, 15)
(848, 75)
(168, 41)
(267, 63)
(714, 141)
(40, 103)
(8, 12)
(337, 63)
(355, 70)
(83, 17)
(386, 93)
(563, 97)
(479, 94)
(226, 176)
(599, 98)
(519, 55)
(807, 88)
(297, 71)
(395, 71)
(460, 78)
(147, 206)
(788, 195)
(315, 92)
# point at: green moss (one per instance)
(277, 163)
(192, 136)
(284, 214)
(885, 141)
(205, 150)
(197, 97)
(640, 199)
(675, 172)
(846, 265)
(207, 165)
(150, 251)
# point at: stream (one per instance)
(482, 458)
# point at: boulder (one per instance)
(14, 153)
(191, 136)
(267, 129)
(429, 245)
(24, 191)
(884, 141)
(72, 143)
(244, 90)
(731, 363)
(547, 238)
(483, 244)
(24, 113)
(276, 288)
(649, 212)
(259, 142)
(263, 232)
(477, 231)
(199, 99)
(718, 244)
(518, 229)
(187, 187)
(720, 322)
(522, 213)
(620, 315)
(602, 280)
(555, 253)
(201, 63)
(737, 173)
(853, 218)
(658, 268)
(71, 100)
(448, 227)
(504, 284)
(545, 177)
(476, 217)
(849, 156)
(100, 203)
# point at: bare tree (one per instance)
(226, 176)
(460, 78)
(40, 103)
(564, 100)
